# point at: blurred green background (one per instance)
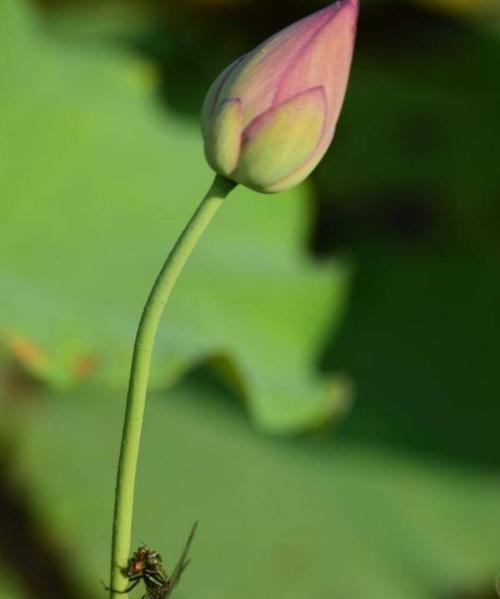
(325, 387)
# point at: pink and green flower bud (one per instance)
(269, 118)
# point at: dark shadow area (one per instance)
(39, 565)
(420, 343)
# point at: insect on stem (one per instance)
(146, 565)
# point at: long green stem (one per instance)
(139, 374)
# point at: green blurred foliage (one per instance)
(402, 499)
(9, 590)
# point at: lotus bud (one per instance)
(269, 118)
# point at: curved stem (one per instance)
(139, 374)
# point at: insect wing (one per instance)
(182, 563)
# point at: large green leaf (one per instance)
(278, 518)
(96, 183)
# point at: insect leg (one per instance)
(127, 590)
